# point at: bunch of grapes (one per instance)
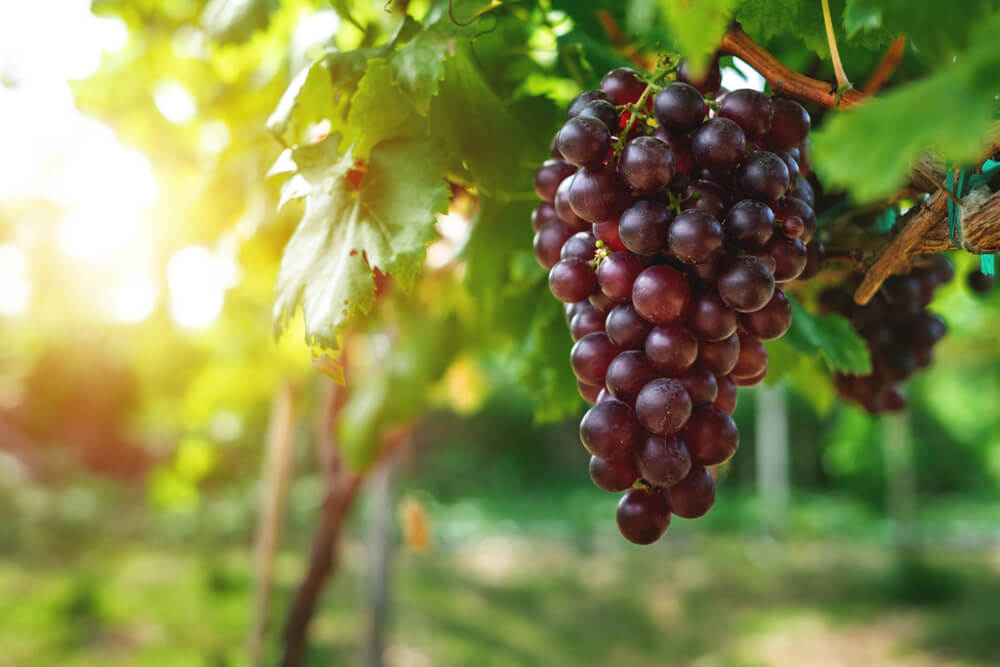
(899, 331)
(671, 217)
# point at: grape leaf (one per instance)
(419, 65)
(697, 27)
(380, 111)
(470, 119)
(828, 335)
(765, 20)
(950, 111)
(308, 100)
(344, 234)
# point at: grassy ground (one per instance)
(511, 598)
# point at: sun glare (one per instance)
(198, 281)
(15, 289)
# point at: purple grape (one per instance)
(572, 280)
(694, 495)
(581, 245)
(586, 320)
(616, 274)
(663, 406)
(584, 141)
(543, 213)
(680, 107)
(700, 384)
(719, 145)
(789, 125)
(597, 195)
(583, 99)
(746, 284)
(790, 257)
(660, 294)
(710, 318)
(708, 84)
(591, 356)
(711, 436)
(720, 356)
(624, 85)
(752, 360)
(588, 392)
(728, 394)
(643, 516)
(564, 211)
(749, 224)
(549, 176)
(680, 145)
(771, 321)
(643, 227)
(549, 241)
(705, 195)
(815, 258)
(603, 111)
(662, 460)
(609, 430)
(646, 165)
(694, 237)
(750, 109)
(671, 348)
(626, 328)
(792, 206)
(613, 475)
(764, 176)
(627, 374)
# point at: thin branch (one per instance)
(831, 39)
(890, 61)
(912, 227)
(784, 81)
(617, 38)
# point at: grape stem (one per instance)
(890, 61)
(831, 38)
(637, 108)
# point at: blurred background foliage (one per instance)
(140, 241)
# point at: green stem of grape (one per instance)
(637, 108)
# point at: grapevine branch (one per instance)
(890, 61)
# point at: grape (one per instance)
(725, 400)
(583, 99)
(624, 85)
(603, 111)
(711, 436)
(584, 141)
(680, 145)
(608, 233)
(764, 176)
(586, 320)
(793, 168)
(625, 328)
(903, 295)
(979, 281)
(549, 241)
(789, 125)
(720, 356)
(792, 206)
(572, 280)
(549, 176)
(700, 384)
(663, 406)
(660, 294)
(615, 474)
(771, 321)
(543, 213)
(671, 348)
(803, 191)
(749, 224)
(792, 227)
(646, 165)
(926, 329)
(708, 84)
(662, 460)
(565, 212)
(589, 392)
(616, 274)
(591, 356)
(602, 302)
(750, 109)
(643, 227)
(628, 374)
(680, 107)
(943, 269)
(790, 257)
(608, 430)
(643, 516)
(571, 309)
(694, 237)
(710, 318)
(702, 276)
(719, 145)
(694, 495)
(746, 284)
(597, 195)
(752, 360)
(815, 258)
(581, 245)
(704, 195)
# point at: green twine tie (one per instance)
(965, 183)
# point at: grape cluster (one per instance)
(898, 329)
(669, 223)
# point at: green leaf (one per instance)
(697, 27)
(380, 111)
(308, 100)
(344, 234)
(806, 374)
(869, 150)
(476, 127)
(235, 21)
(419, 65)
(829, 335)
